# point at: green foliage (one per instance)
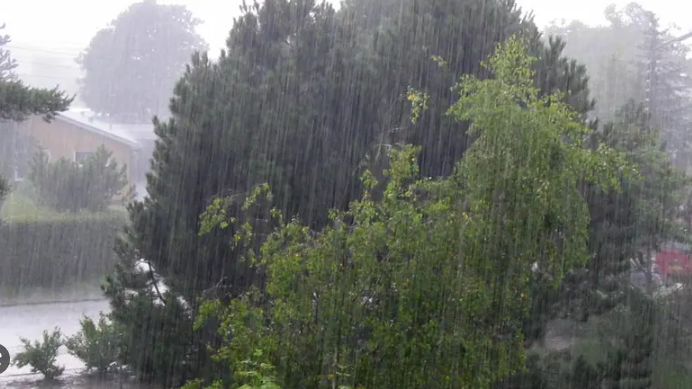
(428, 285)
(155, 338)
(18, 101)
(633, 224)
(71, 186)
(249, 374)
(630, 335)
(555, 369)
(96, 344)
(147, 38)
(40, 356)
(419, 103)
(626, 226)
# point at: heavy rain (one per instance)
(346, 194)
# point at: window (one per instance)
(80, 156)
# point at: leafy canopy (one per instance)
(132, 65)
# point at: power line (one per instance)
(28, 75)
(73, 55)
(51, 65)
(12, 47)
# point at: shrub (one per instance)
(26, 190)
(41, 355)
(4, 188)
(96, 344)
(57, 252)
(91, 184)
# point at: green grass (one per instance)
(20, 208)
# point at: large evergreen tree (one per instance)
(627, 59)
(666, 69)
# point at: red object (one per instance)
(673, 262)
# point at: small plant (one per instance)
(95, 344)
(41, 355)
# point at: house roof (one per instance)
(133, 135)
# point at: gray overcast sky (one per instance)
(68, 25)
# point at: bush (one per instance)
(26, 190)
(96, 344)
(91, 184)
(58, 252)
(41, 355)
(4, 188)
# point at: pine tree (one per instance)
(665, 68)
(7, 63)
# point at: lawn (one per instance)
(18, 207)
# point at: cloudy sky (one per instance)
(67, 25)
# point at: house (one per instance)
(77, 133)
(673, 260)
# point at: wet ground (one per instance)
(29, 321)
(69, 381)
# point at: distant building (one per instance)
(674, 259)
(77, 133)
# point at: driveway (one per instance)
(29, 321)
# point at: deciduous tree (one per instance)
(131, 66)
